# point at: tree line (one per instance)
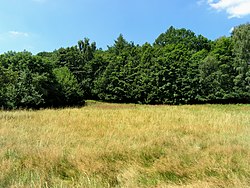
(178, 68)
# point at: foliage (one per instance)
(179, 68)
(27, 80)
(70, 93)
(241, 50)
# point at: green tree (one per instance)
(78, 59)
(23, 92)
(70, 93)
(241, 50)
(111, 85)
(27, 80)
(217, 72)
(184, 37)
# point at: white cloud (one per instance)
(235, 8)
(18, 34)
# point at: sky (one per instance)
(46, 25)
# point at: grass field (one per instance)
(126, 145)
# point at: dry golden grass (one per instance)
(125, 145)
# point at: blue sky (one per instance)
(46, 25)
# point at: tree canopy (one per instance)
(178, 68)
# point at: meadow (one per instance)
(126, 145)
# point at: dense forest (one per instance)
(178, 68)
